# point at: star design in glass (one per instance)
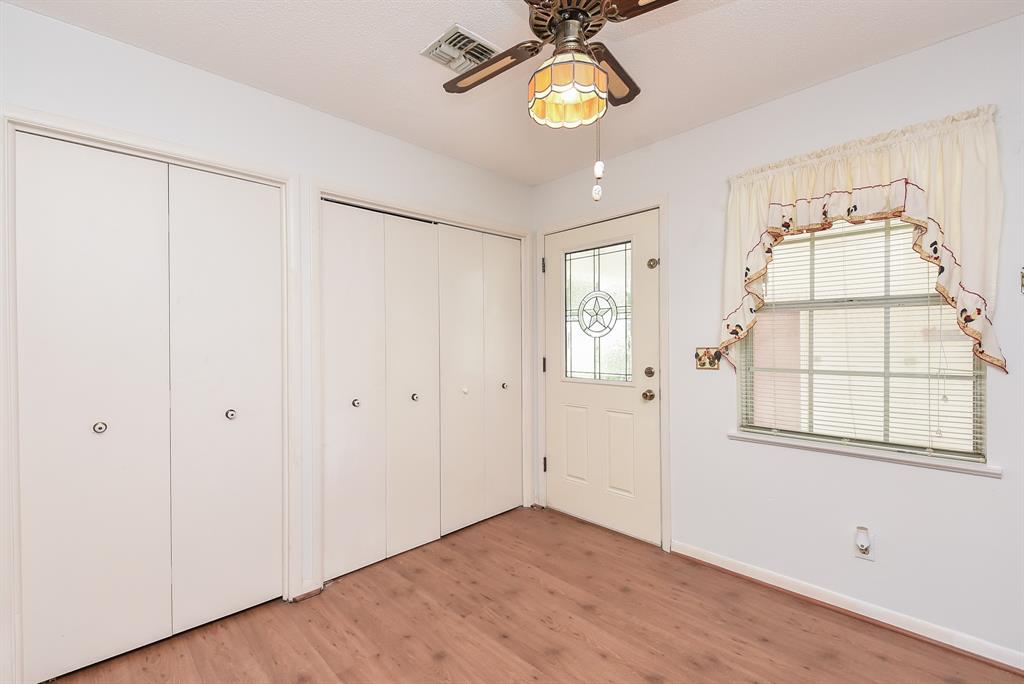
(597, 314)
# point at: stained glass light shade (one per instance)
(568, 90)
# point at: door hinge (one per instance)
(543, 364)
(543, 265)
(545, 464)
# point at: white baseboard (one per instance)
(980, 647)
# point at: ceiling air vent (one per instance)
(459, 50)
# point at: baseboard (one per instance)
(1001, 656)
(309, 594)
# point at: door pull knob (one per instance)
(648, 395)
(415, 397)
(230, 414)
(355, 402)
(99, 428)
(504, 385)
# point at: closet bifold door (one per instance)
(503, 396)
(464, 499)
(413, 454)
(353, 381)
(226, 394)
(91, 251)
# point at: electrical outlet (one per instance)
(864, 544)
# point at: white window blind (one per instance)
(854, 345)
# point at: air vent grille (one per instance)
(459, 49)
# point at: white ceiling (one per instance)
(695, 60)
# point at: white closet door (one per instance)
(91, 234)
(463, 495)
(503, 395)
(413, 456)
(353, 377)
(226, 394)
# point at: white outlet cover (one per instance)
(872, 554)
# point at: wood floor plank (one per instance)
(537, 596)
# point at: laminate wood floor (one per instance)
(535, 595)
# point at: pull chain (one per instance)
(598, 165)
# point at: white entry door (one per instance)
(603, 375)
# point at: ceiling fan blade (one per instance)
(621, 10)
(621, 86)
(499, 63)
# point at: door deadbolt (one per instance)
(99, 428)
(355, 402)
(653, 263)
(415, 397)
(648, 395)
(649, 371)
(504, 385)
(230, 414)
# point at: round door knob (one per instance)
(648, 395)
(355, 402)
(504, 385)
(230, 414)
(415, 397)
(99, 428)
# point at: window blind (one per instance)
(853, 344)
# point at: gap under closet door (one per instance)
(226, 394)
(413, 451)
(464, 496)
(352, 330)
(91, 256)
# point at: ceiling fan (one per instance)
(574, 86)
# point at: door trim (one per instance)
(540, 398)
(19, 120)
(311, 195)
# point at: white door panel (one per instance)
(353, 349)
(503, 397)
(602, 333)
(463, 475)
(413, 449)
(91, 235)
(226, 355)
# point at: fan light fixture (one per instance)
(568, 90)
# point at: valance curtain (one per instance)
(942, 176)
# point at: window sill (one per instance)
(935, 463)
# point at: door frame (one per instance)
(663, 353)
(16, 120)
(312, 195)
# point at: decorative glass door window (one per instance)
(598, 313)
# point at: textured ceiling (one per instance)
(696, 61)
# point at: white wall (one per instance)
(951, 546)
(59, 70)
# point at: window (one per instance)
(853, 344)
(598, 313)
